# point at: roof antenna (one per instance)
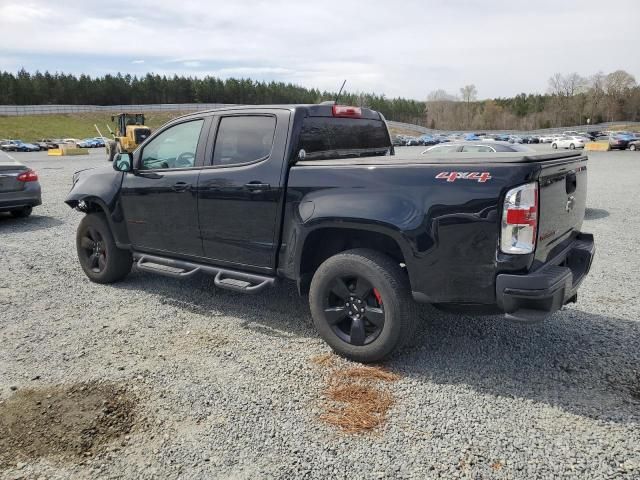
(340, 91)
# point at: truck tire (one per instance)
(22, 212)
(111, 150)
(361, 305)
(100, 258)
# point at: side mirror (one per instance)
(123, 162)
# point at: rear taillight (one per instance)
(28, 176)
(520, 220)
(345, 111)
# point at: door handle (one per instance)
(256, 186)
(181, 187)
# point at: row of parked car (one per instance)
(48, 143)
(568, 139)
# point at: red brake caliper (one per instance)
(377, 295)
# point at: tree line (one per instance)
(40, 88)
(571, 99)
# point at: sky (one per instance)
(397, 48)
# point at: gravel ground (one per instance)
(224, 386)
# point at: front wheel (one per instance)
(100, 258)
(572, 147)
(361, 305)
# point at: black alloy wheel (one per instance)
(361, 304)
(354, 310)
(93, 249)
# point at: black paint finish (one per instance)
(257, 217)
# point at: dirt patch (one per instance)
(324, 360)
(355, 398)
(368, 373)
(63, 421)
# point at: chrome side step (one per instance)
(224, 278)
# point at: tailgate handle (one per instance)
(572, 182)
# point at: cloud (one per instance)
(137, 62)
(22, 13)
(402, 49)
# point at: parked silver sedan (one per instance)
(477, 147)
(19, 188)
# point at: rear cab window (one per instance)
(325, 137)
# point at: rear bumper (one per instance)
(550, 287)
(29, 197)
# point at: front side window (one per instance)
(244, 139)
(174, 148)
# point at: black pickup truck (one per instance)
(316, 194)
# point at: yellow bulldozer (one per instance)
(130, 132)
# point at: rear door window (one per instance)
(244, 139)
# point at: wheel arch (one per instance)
(115, 219)
(329, 239)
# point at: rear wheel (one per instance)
(361, 305)
(554, 146)
(100, 258)
(22, 212)
(632, 148)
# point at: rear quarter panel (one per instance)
(448, 231)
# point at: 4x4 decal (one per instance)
(480, 177)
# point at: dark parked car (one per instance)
(428, 140)
(619, 141)
(20, 146)
(398, 141)
(314, 194)
(588, 135)
(19, 188)
(412, 142)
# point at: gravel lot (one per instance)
(221, 385)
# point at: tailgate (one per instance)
(563, 196)
(9, 177)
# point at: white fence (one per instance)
(18, 110)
